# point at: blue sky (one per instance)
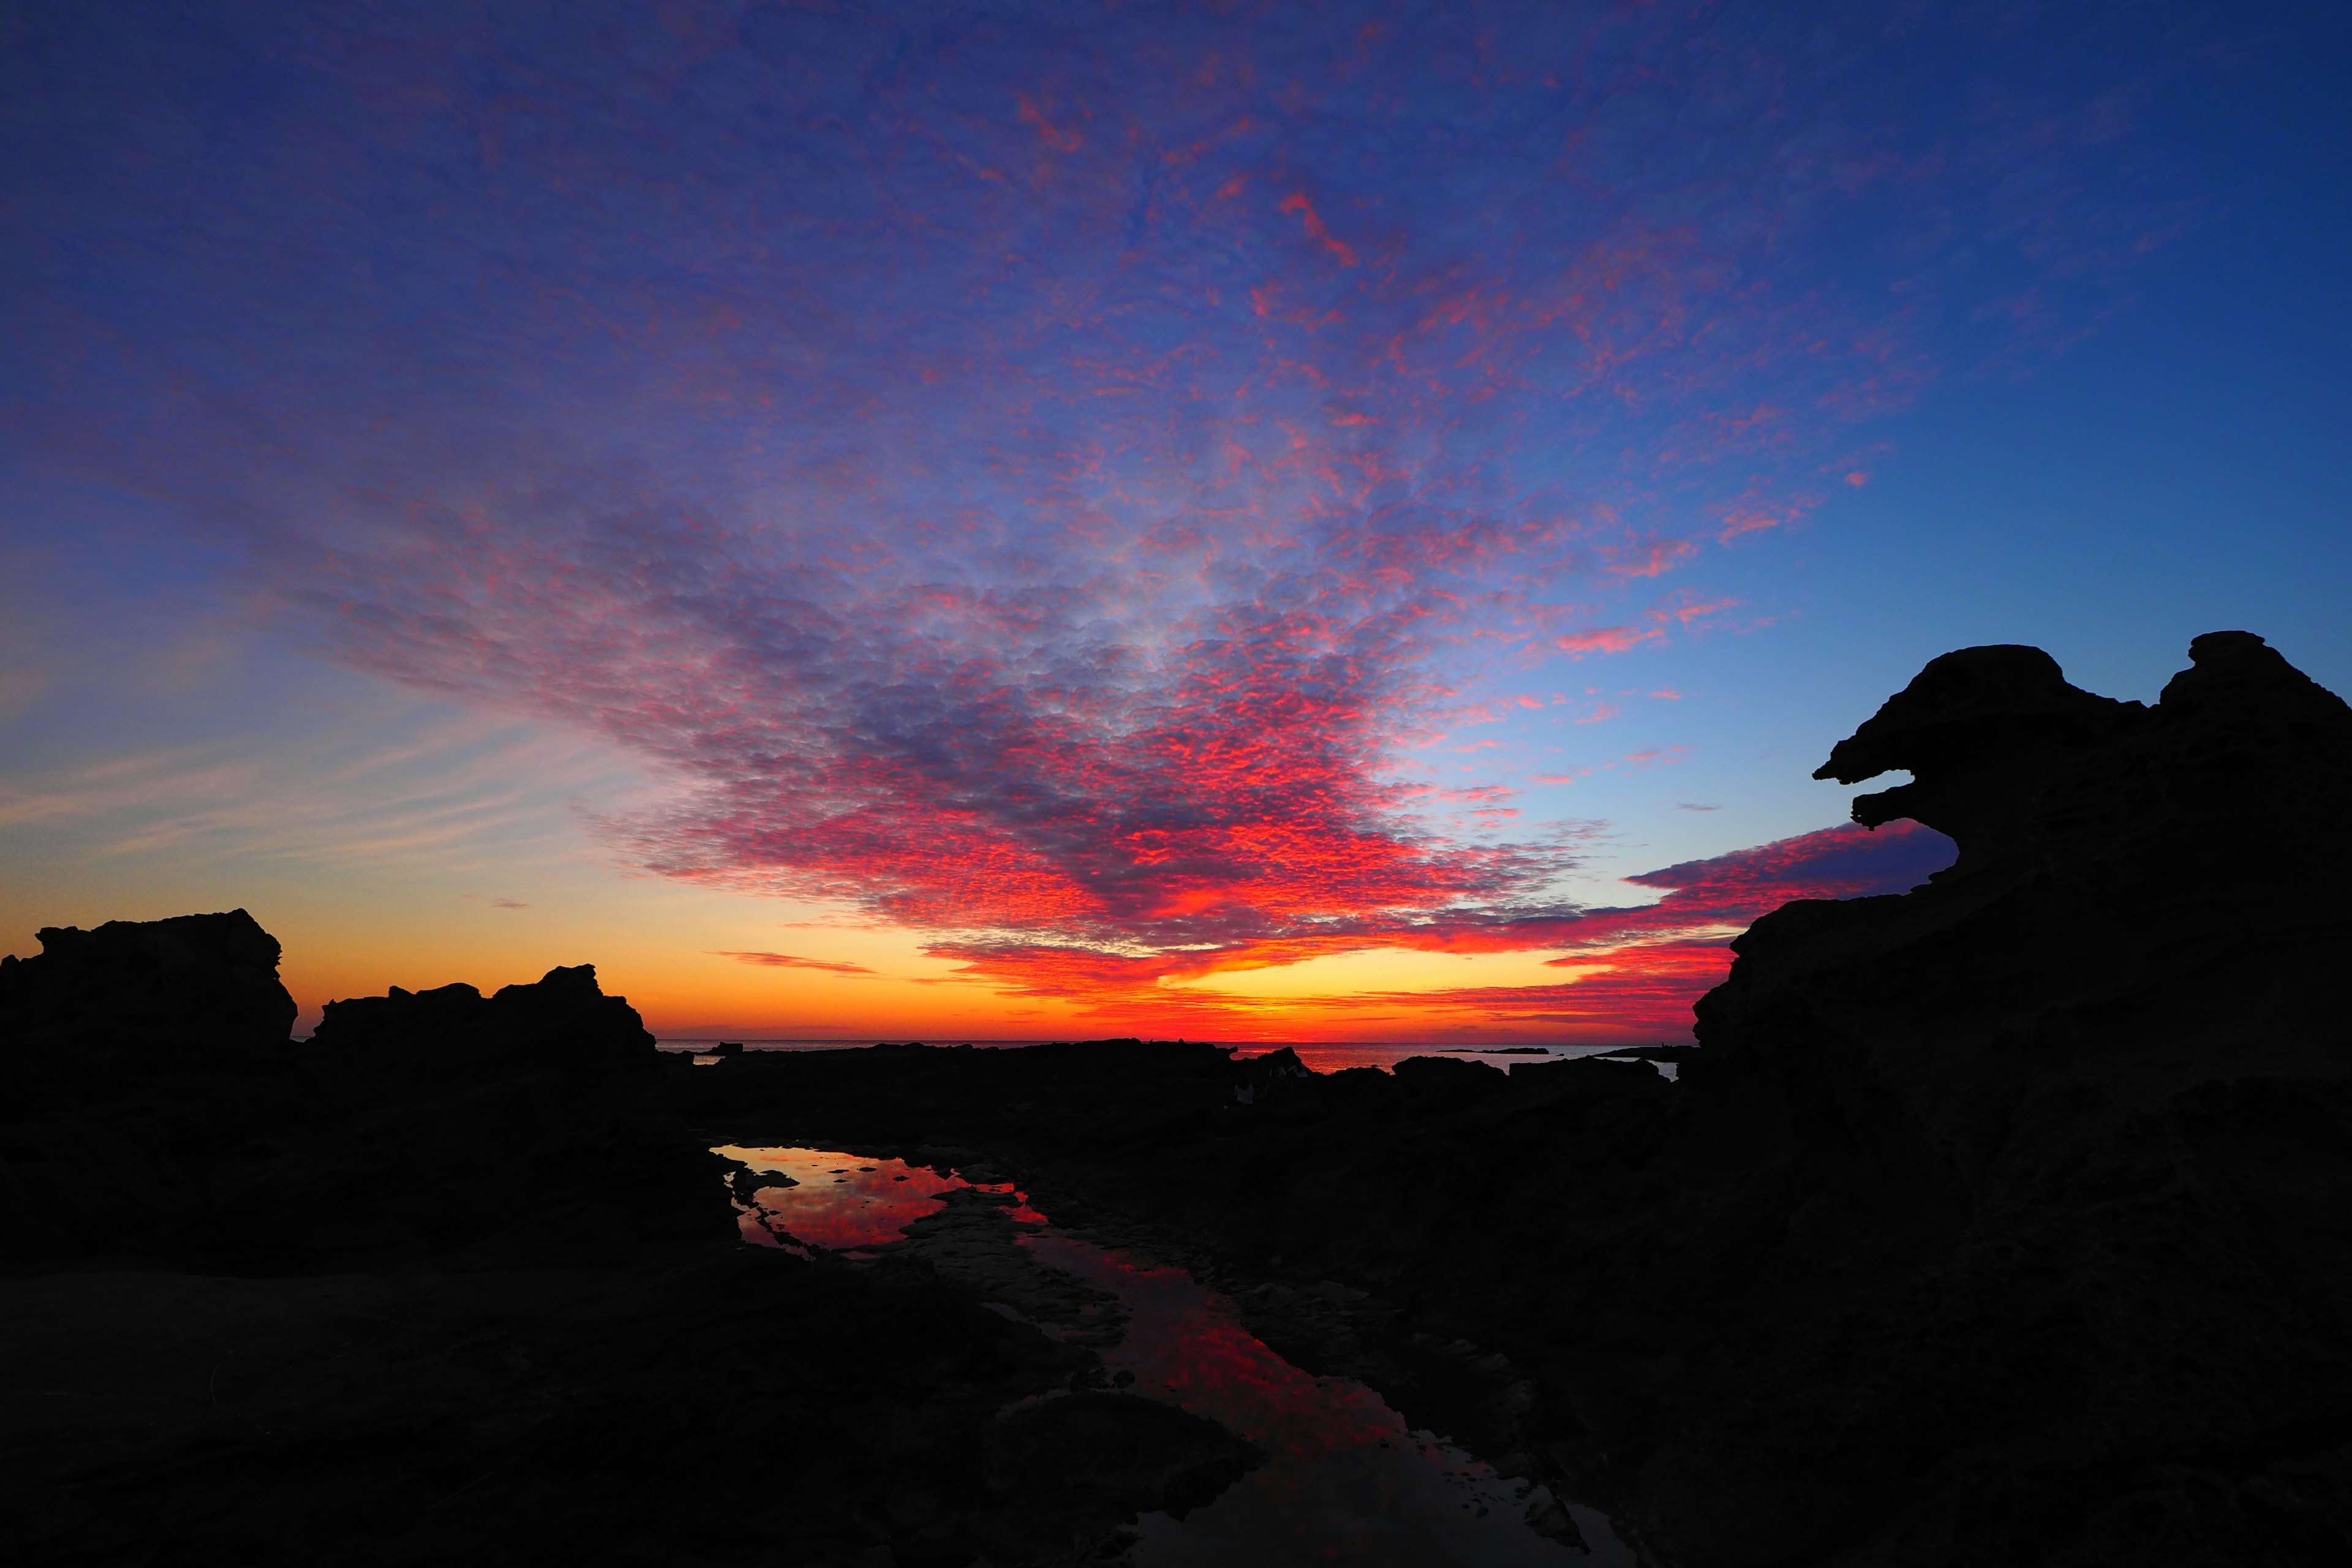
(1017, 518)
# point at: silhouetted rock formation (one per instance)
(564, 1023)
(2006, 1221)
(409, 1125)
(2009, 1220)
(452, 1282)
(184, 983)
(2055, 1154)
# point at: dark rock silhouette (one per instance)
(185, 984)
(2005, 1221)
(2063, 1141)
(563, 1023)
(451, 1281)
(410, 1125)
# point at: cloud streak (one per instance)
(786, 961)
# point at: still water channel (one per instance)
(1345, 1479)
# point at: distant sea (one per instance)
(1322, 1055)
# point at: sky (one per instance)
(1249, 522)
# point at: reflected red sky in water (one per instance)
(833, 1200)
(1345, 1479)
(843, 1202)
(1185, 1342)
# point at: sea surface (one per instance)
(1347, 1480)
(1321, 1056)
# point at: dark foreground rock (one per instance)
(2006, 1221)
(453, 1282)
(189, 984)
(152, 1107)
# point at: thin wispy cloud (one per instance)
(786, 961)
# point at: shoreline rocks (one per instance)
(2009, 1220)
(2005, 1221)
(454, 1282)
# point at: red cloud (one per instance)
(1056, 564)
(1641, 968)
(1297, 202)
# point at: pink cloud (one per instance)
(1605, 639)
(786, 961)
(1047, 513)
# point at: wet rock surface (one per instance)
(971, 1243)
(1110, 1452)
(2006, 1221)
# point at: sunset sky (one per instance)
(975, 521)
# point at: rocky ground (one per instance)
(2008, 1221)
(453, 1283)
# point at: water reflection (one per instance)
(1345, 1481)
(828, 1199)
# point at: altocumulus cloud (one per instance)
(1032, 478)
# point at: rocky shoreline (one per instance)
(452, 1282)
(2009, 1220)
(2006, 1221)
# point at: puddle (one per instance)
(834, 1200)
(1345, 1479)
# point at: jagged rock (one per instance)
(2050, 1159)
(562, 1023)
(1449, 1075)
(460, 1287)
(2008, 1220)
(183, 984)
(418, 1124)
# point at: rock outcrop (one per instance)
(186, 983)
(410, 1125)
(2054, 1155)
(562, 1023)
(2005, 1221)
(452, 1282)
